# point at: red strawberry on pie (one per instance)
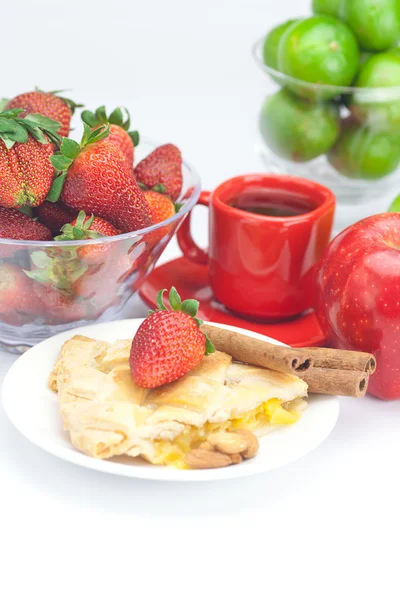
(169, 343)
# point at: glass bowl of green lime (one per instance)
(332, 111)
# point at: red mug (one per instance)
(262, 266)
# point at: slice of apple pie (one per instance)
(107, 414)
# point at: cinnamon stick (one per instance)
(348, 360)
(249, 350)
(337, 382)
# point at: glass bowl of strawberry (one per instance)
(78, 238)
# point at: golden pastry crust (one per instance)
(107, 414)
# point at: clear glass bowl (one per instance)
(347, 138)
(61, 285)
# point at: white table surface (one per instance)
(324, 527)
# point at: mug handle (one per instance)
(186, 243)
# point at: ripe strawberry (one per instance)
(58, 306)
(119, 134)
(98, 296)
(17, 226)
(55, 215)
(26, 172)
(96, 178)
(163, 166)
(16, 293)
(161, 206)
(86, 228)
(48, 104)
(169, 343)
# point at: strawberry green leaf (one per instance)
(174, 299)
(190, 307)
(159, 300)
(3, 103)
(86, 134)
(142, 186)
(8, 125)
(198, 321)
(210, 349)
(7, 142)
(127, 123)
(159, 187)
(44, 122)
(12, 112)
(63, 283)
(116, 117)
(70, 148)
(38, 275)
(18, 133)
(134, 135)
(150, 312)
(80, 219)
(89, 118)
(36, 133)
(56, 188)
(41, 259)
(99, 134)
(101, 114)
(60, 162)
(78, 233)
(178, 206)
(55, 138)
(91, 234)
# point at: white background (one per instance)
(325, 527)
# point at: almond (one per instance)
(206, 446)
(228, 442)
(206, 459)
(252, 443)
(236, 458)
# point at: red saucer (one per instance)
(191, 281)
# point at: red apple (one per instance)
(358, 296)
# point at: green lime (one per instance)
(364, 56)
(361, 153)
(395, 206)
(271, 43)
(326, 7)
(380, 108)
(375, 23)
(320, 50)
(297, 130)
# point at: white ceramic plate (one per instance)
(33, 409)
